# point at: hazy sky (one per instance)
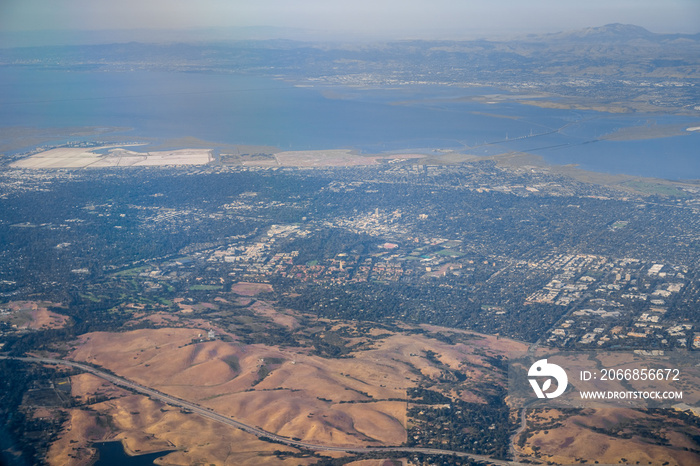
(409, 18)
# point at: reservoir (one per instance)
(112, 454)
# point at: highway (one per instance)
(257, 431)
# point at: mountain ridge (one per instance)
(613, 31)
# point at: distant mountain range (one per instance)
(612, 40)
(615, 32)
(613, 61)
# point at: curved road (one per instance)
(257, 431)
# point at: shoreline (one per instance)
(117, 156)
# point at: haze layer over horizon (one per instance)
(27, 22)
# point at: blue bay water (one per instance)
(263, 111)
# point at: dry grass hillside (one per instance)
(356, 400)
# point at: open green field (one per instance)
(205, 287)
(131, 272)
(450, 253)
(657, 188)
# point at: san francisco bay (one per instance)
(252, 110)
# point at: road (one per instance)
(257, 431)
(514, 438)
(531, 350)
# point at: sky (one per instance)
(371, 18)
